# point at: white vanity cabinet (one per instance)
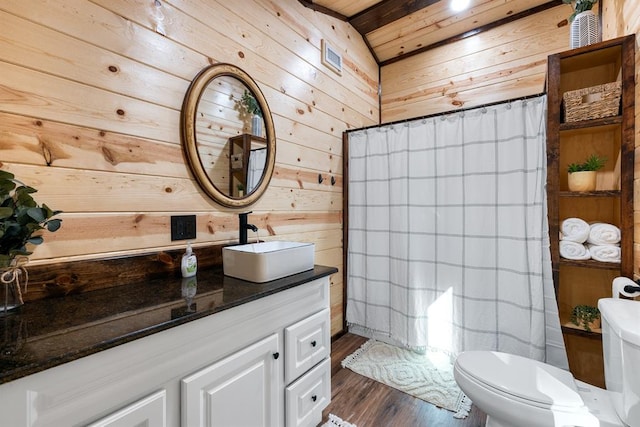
(225, 369)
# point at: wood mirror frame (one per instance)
(190, 144)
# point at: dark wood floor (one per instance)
(367, 403)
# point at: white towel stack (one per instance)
(580, 241)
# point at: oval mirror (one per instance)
(228, 135)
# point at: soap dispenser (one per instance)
(189, 264)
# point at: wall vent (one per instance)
(331, 57)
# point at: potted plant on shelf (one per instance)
(582, 176)
(579, 6)
(584, 29)
(20, 219)
(586, 317)
(249, 105)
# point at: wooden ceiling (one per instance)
(395, 29)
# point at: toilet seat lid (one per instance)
(538, 383)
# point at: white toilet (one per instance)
(516, 392)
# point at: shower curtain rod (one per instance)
(490, 104)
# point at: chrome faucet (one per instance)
(244, 226)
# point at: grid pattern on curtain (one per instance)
(448, 240)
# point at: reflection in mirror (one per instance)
(228, 114)
(228, 135)
(248, 158)
(257, 160)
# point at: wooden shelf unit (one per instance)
(241, 146)
(584, 282)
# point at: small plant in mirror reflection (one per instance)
(20, 218)
(249, 104)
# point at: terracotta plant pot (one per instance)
(586, 317)
(594, 324)
(588, 326)
(582, 181)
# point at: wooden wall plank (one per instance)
(33, 46)
(44, 142)
(76, 190)
(516, 88)
(179, 24)
(89, 234)
(89, 22)
(419, 29)
(346, 7)
(38, 94)
(503, 63)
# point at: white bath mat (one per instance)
(335, 421)
(426, 376)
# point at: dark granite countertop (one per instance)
(53, 331)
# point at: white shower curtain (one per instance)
(448, 239)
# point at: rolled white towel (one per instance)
(605, 253)
(575, 230)
(574, 250)
(601, 233)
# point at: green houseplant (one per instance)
(20, 219)
(593, 163)
(250, 109)
(586, 317)
(584, 28)
(579, 6)
(582, 176)
(250, 104)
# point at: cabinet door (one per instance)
(150, 411)
(241, 390)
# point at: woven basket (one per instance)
(593, 102)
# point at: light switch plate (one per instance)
(183, 227)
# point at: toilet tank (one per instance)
(621, 352)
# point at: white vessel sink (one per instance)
(266, 261)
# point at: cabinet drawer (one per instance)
(308, 396)
(306, 343)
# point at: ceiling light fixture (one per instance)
(459, 5)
